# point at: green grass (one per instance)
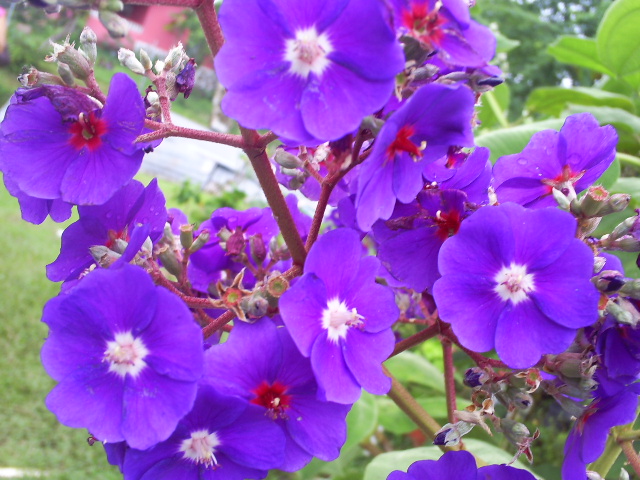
(31, 436)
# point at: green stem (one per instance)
(629, 160)
(490, 97)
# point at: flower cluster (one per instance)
(238, 346)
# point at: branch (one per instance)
(415, 339)
(170, 130)
(449, 382)
(209, 21)
(631, 454)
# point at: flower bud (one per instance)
(591, 203)
(451, 434)
(236, 243)
(128, 59)
(66, 75)
(145, 60)
(175, 57)
(626, 244)
(77, 62)
(170, 261)
(186, 235)
(598, 264)
(159, 66)
(255, 305)
(517, 433)
(475, 377)
(114, 23)
(373, 124)
(623, 228)
(186, 79)
(287, 160)
(88, 41)
(103, 256)
(609, 281)
(110, 5)
(257, 248)
(564, 202)
(623, 311)
(200, 241)
(631, 288)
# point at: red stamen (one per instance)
(273, 397)
(424, 25)
(87, 132)
(448, 224)
(402, 143)
(113, 236)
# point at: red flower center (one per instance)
(273, 397)
(563, 180)
(448, 224)
(424, 25)
(402, 143)
(113, 236)
(87, 132)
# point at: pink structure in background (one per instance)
(147, 29)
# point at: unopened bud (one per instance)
(186, 235)
(517, 433)
(175, 57)
(425, 72)
(626, 244)
(631, 289)
(623, 228)
(114, 23)
(66, 75)
(128, 59)
(609, 281)
(371, 123)
(564, 202)
(103, 256)
(110, 5)
(255, 305)
(286, 159)
(475, 377)
(169, 261)
(236, 242)
(159, 66)
(77, 62)
(257, 248)
(451, 434)
(200, 241)
(594, 200)
(623, 311)
(598, 264)
(186, 79)
(88, 41)
(145, 60)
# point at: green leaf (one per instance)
(507, 141)
(409, 367)
(362, 420)
(495, 105)
(552, 100)
(621, 119)
(578, 51)
(382, 465)
(493, 455)
(617, 40)
(504, 44)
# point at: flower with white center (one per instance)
(340, 318)
(337, 318)
(200, 448)
(128, 356)
(125, 354)
(514, 283)
(518, 281)
(290, 65)
(308, 52)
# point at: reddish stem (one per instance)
(218, 323)
(165, 131)
(479, 359)
(415, 339)
(632, 455)
(94, 88)
(271, 188)
(266, 139)
(209, 21)
(318, 216)
(449, 381)
(176, 3)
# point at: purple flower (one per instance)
(516, 280)
(261, 364)
(106, 224)
(458, 465)
(36, 210)
(127, 354)
(290, 66)
(436, 117)
(613, 404)
(444, 27)
(340, 317)
(569, 160)
(186, 79)
(221, 438)
(56, 143)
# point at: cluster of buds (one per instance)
(72, 63)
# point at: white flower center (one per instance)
(514, 283)
(337, 318)
(308, 52)
(125, 354)
(199, 448)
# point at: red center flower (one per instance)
(273, 397)
(402, 143)
(87, 132)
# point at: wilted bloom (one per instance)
(127, 356)
(516, 280)
(261, 364)
(107, 224)
(221, 438)
(341, 318)
(435, 118)
(290, 66)
(458, 465)
(569, 160)
(57, 143)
